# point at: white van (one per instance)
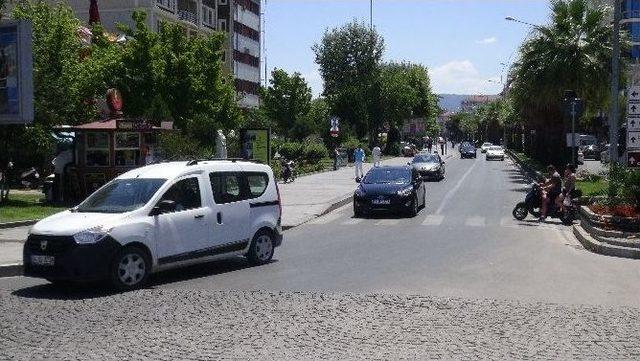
(158, 217)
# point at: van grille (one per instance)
(54, 244)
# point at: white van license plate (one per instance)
(43, 260)
(381, 201)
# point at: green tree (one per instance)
(572, 52)
(349, 58)
(287, 101)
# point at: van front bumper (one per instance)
(70, 261)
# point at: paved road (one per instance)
(461, 280)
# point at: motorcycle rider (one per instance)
(551, 189)
(569, 186)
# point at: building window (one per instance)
(127, 148)
(169, 5)
(222, 25)
(208, 18)
(97, 149)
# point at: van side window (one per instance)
(225, 187)
(257, 184)
(185, 193)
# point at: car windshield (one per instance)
(388, 176)
(426, 158)
(121, 195)
(487, 144)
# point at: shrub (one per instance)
(291, 150)
(631, 187)
(314, 152)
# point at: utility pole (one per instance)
(371, 14)
(615, 83)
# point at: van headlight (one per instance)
(90, 236)
(405, 192)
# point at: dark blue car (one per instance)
(396, 189)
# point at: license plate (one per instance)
(43, 260)
(381, 201)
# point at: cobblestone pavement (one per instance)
(44, 323)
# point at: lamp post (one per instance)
(615, 83)
(511, 18)
(370, 14)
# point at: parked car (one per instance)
(429, 166)
(158, 217)
(391, 189)
(593, 151)
(485, 146)
(495, 152)
(467, 150)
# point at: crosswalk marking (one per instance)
(387, 222)
(352, 221)
(433, 220)
(475, 222)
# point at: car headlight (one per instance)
(360, 192)
(405, 192)
(90, 236)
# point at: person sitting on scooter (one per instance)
(569, 186)
(551, 189)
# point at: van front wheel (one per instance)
(261, 250)
(130, 269)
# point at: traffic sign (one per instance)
(634, 94)
(633, 110)
(633, 124)
(633, 140)
(634, 160)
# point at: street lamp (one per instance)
(511, 18)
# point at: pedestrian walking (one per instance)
(377, 153)
(429, 144)
(441, 142)
(358, 156)
(336, 158)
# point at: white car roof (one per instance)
(171, 170)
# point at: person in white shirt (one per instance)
(376, 153)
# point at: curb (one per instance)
(332, 207)
(11, 270)
(596, 246)
(18, 223)
(531, 173)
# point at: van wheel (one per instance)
(261, 250)
(129, 269)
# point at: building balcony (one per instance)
(186, 15)
(167, 5)
(630, 16)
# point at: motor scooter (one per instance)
(533, 205)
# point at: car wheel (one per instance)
(520, 212)
(261, 250)
(130, 269)
(413, 211)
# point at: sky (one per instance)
(462, 42)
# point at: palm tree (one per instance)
(572, 52)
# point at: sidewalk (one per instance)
(306, 198)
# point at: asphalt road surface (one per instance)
(461, 280)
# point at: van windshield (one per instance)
(121, 195)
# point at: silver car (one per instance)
(430, 166)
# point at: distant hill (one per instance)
(451, 102)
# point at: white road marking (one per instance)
(475, 222)
(352, 222)
(453, 190)
(387, 222)
(433, 220)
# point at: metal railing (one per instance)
(188, 16)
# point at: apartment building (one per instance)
(239, 19)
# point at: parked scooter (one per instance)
(288, 173)
(533, 204)
(30, 178)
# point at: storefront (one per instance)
(105, 149)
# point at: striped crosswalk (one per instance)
(343, 218)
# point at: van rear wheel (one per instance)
(262, 247)
(130, 269)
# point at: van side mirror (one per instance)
(165, 206)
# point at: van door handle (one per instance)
(219, 215)
(199, 216)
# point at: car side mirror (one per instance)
(165, 206)
(443, 162)
(358, 180)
